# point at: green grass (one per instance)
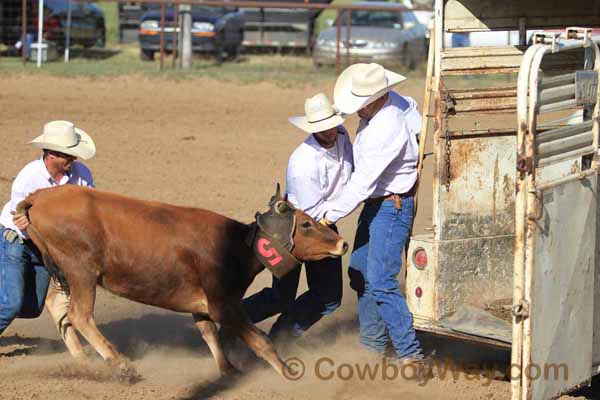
(124, 60)
(117, 60)
(111, 20)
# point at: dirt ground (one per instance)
(201, 143)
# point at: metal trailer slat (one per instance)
(563, 132)
(564, 145)
(461, 59)
(489, 100)
(564, 156)
(561, 105)
(559, 80)
(557, 94)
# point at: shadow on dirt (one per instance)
(136, 337)
(28, 346)
(214, 388)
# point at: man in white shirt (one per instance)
(23, 278)
(317, 170)
(384, 178)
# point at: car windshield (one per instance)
(195, 8)
(380, 19)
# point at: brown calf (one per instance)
(182, 259)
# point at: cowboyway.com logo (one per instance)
(327, 369)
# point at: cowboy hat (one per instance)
(320, 115)
(361, 84)
(64, 137)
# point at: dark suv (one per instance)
(87, 22)
(215, 30)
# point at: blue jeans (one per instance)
(23, 281)
(324, 296)
(374, 265)
(461, 39)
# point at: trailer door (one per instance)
(556, 205)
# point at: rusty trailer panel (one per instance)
(495, 179)
(483, 170)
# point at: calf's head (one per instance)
(308, 239)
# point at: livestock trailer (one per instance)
(512, 256)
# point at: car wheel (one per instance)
(220, 52)
(408, 58)
(412, 63)
(146, 55)
(234, 51)
(101, 41)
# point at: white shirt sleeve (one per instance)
(19, 190)
(381, 142)
(303, 191)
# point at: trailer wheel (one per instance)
(146, 55)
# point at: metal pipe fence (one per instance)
(170, 22)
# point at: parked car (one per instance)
(215, 30)
(87, 22)
(375, 36)
(130, 14)
(281, 28)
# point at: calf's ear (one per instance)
(276, 197)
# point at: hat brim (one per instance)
(314, 127)
(347, 102)
(85, 149)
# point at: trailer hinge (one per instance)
(525, 164)
(521, 310)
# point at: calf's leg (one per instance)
(81, 308)
(236, 321)
(209, 332)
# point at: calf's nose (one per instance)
(341, 247)
(345, 248)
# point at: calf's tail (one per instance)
(23, 208)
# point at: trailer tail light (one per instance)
(420, 258)
(418, 291)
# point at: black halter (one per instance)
(271, 237)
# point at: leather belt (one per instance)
(11, 236)
(395, 197)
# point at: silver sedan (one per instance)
(387, 37)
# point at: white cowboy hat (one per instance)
(320, 115)
(64, 137)
(361, 84)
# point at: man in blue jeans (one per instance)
(316, 171)
(23, 278)
(385, 175)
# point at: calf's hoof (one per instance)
(230, 372)
(125, 372)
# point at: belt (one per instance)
(395, 197)
(11, 236)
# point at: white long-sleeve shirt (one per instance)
(315, 174)
(385, 156)
(35, 176)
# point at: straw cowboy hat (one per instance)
(361, 84)
(64, 137)
(320, 115)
